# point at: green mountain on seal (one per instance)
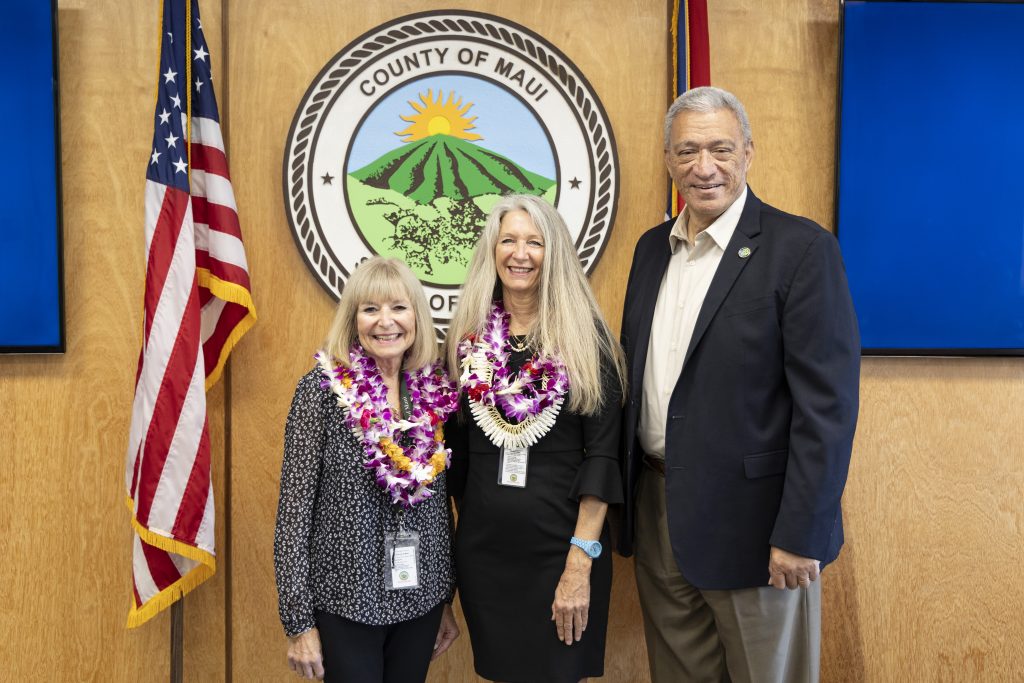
(446, 166)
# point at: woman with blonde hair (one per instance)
(535, 461)
(362, 547)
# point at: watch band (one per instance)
(591, 548)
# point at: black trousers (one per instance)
(363, 653)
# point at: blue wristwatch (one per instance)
(591, 548)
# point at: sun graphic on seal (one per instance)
(437, 117)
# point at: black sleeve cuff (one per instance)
(598, 476)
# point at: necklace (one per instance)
(405, 472)
(532, 398)
(517, 346)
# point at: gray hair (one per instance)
(707, 99)
(569, 321)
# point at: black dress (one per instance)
(511, 543)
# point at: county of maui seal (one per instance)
(409, 135)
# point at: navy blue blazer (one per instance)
(762, 417)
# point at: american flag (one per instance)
(197, 305)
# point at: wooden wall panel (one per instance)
(780, 58)
(623, 55)
(64, 529)
(926, 588)
(931, 590)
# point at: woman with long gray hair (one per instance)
(535, 461)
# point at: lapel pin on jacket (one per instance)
(744, 252)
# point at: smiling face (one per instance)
(519, 254)
(708, 161)
(386, 328)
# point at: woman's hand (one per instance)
(447, 632)
(305, 656)
(571, 607)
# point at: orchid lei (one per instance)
(404, 472)
(532, 398)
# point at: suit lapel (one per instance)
(745, 237)
(655, 272)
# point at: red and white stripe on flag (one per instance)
(197, 305)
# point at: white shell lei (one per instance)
(501, 432)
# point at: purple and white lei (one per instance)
(405, 472)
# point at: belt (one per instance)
(654, 464)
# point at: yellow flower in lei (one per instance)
(396, 454)
(438, 461)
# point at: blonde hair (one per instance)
(568, 320)
(381, 279)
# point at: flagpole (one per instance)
(178, 640)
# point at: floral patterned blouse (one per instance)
(331, 521)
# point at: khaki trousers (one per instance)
(752, 635)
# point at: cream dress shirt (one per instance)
(682, 292)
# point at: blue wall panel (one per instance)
(31, 317)
(931, 174)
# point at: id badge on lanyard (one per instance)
(402, 547)
(401, 557)
(512, 466)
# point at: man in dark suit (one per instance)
(744, 364)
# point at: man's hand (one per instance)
(447, 632)
(786, 570)
(304, 655)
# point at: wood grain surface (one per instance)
(269, 73)
(64, 528)
(926, 588)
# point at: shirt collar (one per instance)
(720, 231)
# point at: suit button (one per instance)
(677, 417)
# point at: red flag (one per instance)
(691, 59)
(197, 305)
